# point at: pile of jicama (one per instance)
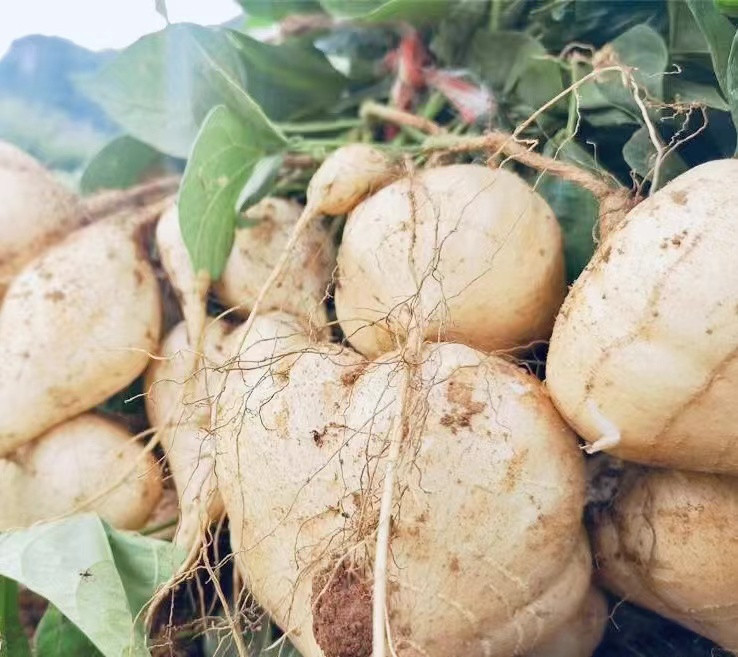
(396, 481)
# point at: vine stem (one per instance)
(105, 203)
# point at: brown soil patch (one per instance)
(342, 613)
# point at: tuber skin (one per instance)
(643, 361)
(581, 634)
(475, 248)
(670, 543)
(256, 251)
(181, 413)
(191, 289)
(37, 211)
(347, 176)
(76, 326)
(488, 554)
(86, 459)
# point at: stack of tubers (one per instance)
(409, 488)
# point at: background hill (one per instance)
(42, 111)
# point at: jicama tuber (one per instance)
(76, 325)
(643, 360)
(472, 254)
(581, 634)
(670, 543)
(88, 463)
(256, 250)
(178, 385)
(36, 211)
(488, 555)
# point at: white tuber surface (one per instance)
(88, 463)
(488, 555)
(36, 211)
(76, 326)
(581, 634)
(178, 407)
(304, 285)
(648, 338)
(670, 543)
(476, 248)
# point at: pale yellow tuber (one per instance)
(488, 554)
(88, 463)
(76, 325)
(36, 211)
(643, 360)
(670, 543)
(471, 254)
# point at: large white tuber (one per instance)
(487, 551)
(88, 463)
(471, 254)
(581, 634)
(643, 360)
(670, 543)
(179, 385)
(76, 325)
(36, 211)
(256, 250)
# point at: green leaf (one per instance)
(643, 48)
(57, 636)
(452, 36)
(718, 32)
(121, 163)
(539, 82)
(413, 11)
(686, 91)
(276, 9)
(732, 80)
(290, 80)
(143, 564)
(74, 565)
(218, 642)
(685, 36)
(610, 117)
(160, 88)
(223, 158)
(500, 58)
(575, 208)
(640, 154)
(13, 642)
(260, 182)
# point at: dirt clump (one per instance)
(342, 613)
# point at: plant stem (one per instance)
(148, 531)
(495, 14)
(313, 127)
(573, 115)
(433, 105)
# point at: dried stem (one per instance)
(375, 110)
(110, 202)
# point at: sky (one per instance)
(99, 24)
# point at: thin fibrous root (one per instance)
(410, 357)
(307, 216)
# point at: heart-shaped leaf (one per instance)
(97, 577)
(223, 158)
